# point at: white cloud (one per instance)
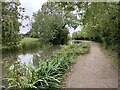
(30, 6)
(33, 6)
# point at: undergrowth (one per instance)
(49, 73)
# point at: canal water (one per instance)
(27, 57)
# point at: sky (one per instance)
(33, 6)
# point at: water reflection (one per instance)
(27, 58)
(30, 56)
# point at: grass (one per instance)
(28, 40)
(76, 41)
(25, 44)
(29, 43)
(50, 71)
(112, 55)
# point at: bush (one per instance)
(30, 45)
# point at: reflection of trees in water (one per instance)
(10, 59)
(38, 54)
(37, 57)
(42, 55)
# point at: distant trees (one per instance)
(10, 24)
(87, 33)
(79, 35)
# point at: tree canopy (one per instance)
(49, 24)
(11, 13)
(101, 23)
(49, 28)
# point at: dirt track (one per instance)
(93, 70)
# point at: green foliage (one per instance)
(29, 43)
(101, 23)
(61, 37)
(19, 75)
(49, 24)
(29, 46)
(27, 40)
(49, 28)
(87, 33)
(25, 44)
(49, 73)
(102, 19)
(54, 8)
(10, 23)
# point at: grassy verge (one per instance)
(76, 41)
(112, 55)
(25, 44)
(29, 43)
(50, 72)
(28, 40)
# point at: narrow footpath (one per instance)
(93, 70)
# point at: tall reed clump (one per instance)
(49, 73)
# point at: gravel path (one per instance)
(93, 70)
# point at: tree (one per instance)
(100, 21)
(10, 24)
(52, 13)
(48, 28)
(103, 17)
(54, 8)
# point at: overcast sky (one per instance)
(33, 6)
